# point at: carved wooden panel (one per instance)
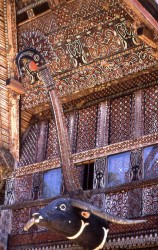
(86, 129)
(10, 191)
(37, 185)
(19, 219)
(29, 147)
(151, 110)
(135, 203)
(117, 204)
(100, 173)
(136, 165)
(98, 200)
(121, 119)
(150, 200)
(23, 188)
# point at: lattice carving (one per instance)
(135, 202)
(117, 204)
(86, 129)
(150, 200)
(53, 144)
(121, 119)
(151, 110)
(23, 188)
(29, 147)
(80, 173)
(98, 200)
(100, 173)
(117, 89)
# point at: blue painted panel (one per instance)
(118, 168)
(52, 183)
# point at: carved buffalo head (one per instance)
(80, 221)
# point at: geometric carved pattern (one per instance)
(23, 188)
(120, 119)
(150, 200)
(98, 200)
(135, 202)
(29, 147)
(117, 204)
(86, 129)
(52, 144)
(35, 39)
(19, 219)
(151, 110)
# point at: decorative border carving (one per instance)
(90, 193)
(90, 154)
(139, 238)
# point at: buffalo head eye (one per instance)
(63, 207)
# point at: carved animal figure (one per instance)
(79, 221)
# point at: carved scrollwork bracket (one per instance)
(6, 165)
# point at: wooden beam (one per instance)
(147, 36)
(142, 14)
(16, 86)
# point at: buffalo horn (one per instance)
(102, 214)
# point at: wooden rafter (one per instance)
(143, 15)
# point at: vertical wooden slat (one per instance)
(14, 125)
(138, 114)
(5, 43)
(103, 124)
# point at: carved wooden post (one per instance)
(36, 64)
(14, 124)
(70, 177)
